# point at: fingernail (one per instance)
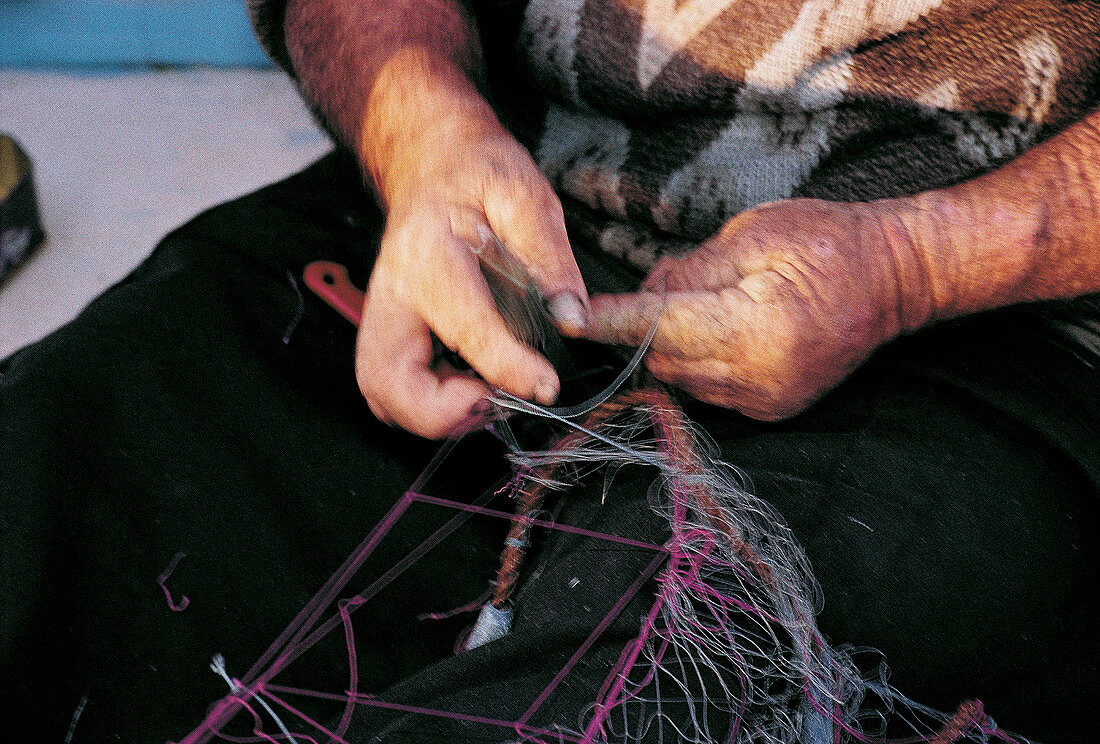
(566, 308)
(546, 391)
(488, 238)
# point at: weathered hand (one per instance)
(776, 309)
(469, 184)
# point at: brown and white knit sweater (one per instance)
(658, 120)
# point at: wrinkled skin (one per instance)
(427, 279)
(765, 317)
(776, 309)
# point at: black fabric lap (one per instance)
(946, 496)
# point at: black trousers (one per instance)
(946, 496)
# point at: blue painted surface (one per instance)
(49, 33)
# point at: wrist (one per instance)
(920, 288)
(961, 250)
(423, 111)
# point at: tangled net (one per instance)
(729, 651)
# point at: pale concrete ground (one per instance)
(121, 159)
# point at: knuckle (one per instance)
(662, 370)
(524, 200)
(782, 397)
(490, 360)
(464, 331)
(502, 370)
(371, 389)
(538, 191)
(667, 264)
(364, 374)
(497, 173)
(375, 380)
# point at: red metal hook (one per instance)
(330, 281)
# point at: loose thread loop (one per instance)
(162, 580)
(236, 689)
(505, 400)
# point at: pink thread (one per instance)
(611, 616)
(686, 555)
(257, 722)
(385, 579)
(184, 600)
(353, 666)
(275, 655)
(297, 638)
(538, 522)
(373, 702)
(333, 736)
(621, 671)
(302, 634)
(462, 610)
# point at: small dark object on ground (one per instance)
(20, 225)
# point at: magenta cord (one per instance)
(373, 702)
(298, 637)
(336, 582)
(620, 672)
(682, 570)
(462, 610)
(390, 575)
(224, 711)
(162, 582)
(611, 616)
(353, 668)
(325, 597)
(333, 736)
(538, 522)
(616, 680)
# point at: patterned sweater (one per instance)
(658, 120)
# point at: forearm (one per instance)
(1027, 231)
(386, 73)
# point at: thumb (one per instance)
(622, 318)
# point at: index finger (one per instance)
(467, 321)
(534, 230)
(394, 370)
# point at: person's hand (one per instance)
(464, 188)
(778, 307)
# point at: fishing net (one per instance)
(728, 651)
